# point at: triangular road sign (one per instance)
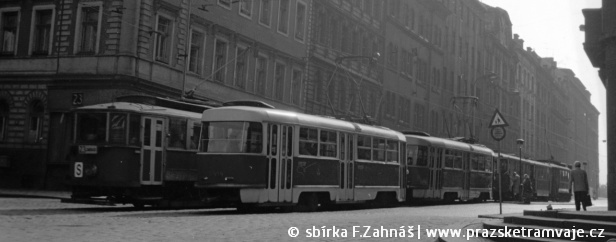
(498, 120)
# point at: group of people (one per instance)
(578, 181)
(521, 189)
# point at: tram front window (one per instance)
(232, 137)
(91, 127)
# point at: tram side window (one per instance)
(458, 160)
(378, 151)
(232, 137)
(134, 128)
(328, 145)
(488, 163)
(91, 127)
(308, 141)
(194, 132)
(117, 128)
(448, 159)
(422, 156)
(474, 162)
(392, 151)
(481, 160)
(177, 133)
(364, 147)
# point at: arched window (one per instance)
(4, 119)
(36, 114)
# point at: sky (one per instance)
(552, 29)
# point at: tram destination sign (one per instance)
(498, 133)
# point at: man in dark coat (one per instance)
(579, 182)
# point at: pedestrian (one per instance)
(514, 186)
(579, 182)
(527, 188)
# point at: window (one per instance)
(246, 8)
(42, 32)
(35, 121)
(300, 21)
(378, 149)
(177, 133)
(9, 22)
(241, 66)
(91, 127)
(279, 81)
(261, 75)
(308, 141)
(162, 40)
(392, 151)
(220, 57)
(265, 11)
(193, 133)
(422, 156)
(232, 137)
(296, 87)
(4, 119)
(328, 143)
(195, 53)
(283, 17)
(117, 128)
(134, 129)
(88, 29)
(364, 147)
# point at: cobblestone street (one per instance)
(45, 219)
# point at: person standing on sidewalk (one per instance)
(579, 182)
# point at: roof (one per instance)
(139, 108)
(446, 143)
(256, 114)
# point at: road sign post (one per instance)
(498, 133)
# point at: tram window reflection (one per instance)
(232, 137)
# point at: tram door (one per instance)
(467, 176)
(152, 150)
(435, 172)
(286, 164)
(280, 163)
(346, 191)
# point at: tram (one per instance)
(139, 150)
(254, 156)
(447, 170)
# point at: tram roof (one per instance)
(256, 114)
(534, 162)
(139, 108)
(446, 143)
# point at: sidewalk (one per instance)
(21, 193)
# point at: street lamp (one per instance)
(520, 143)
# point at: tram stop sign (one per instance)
(498, 133)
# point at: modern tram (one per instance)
(139, 150)
(447, 170)
(252, 156)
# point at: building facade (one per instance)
(442, 67)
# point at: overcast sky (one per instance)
(552, 29)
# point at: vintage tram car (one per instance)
(139, 150)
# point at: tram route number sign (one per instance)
(498, 133)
